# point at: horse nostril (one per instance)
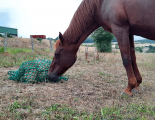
(52, 77)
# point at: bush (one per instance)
(39, 39)
(139, 49)
(1, 35)
(151, 49)
(102, 40)
(9, 36)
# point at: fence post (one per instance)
(51, 45)
(97, 57)
(32, 42)
(86, 52)
(5, 42)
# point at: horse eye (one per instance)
(56, 55)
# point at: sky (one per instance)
(39, 17)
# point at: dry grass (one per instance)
(25, 43)
(92, 85)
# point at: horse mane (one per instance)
(56, 44)
(82, 19)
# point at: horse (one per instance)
(123, 18)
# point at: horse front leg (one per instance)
(122, 36)
(134, 64)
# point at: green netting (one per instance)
(32, 72)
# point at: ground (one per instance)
(92, 85)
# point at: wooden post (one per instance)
(95, 49)
(97, 57)
(5, 42)
(32, 42)
(86, 52)
(51, 45)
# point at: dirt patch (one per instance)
(5, 54)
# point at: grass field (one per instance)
(93, 91)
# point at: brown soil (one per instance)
(5, 54)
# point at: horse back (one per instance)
(138, 15)
(141, 17)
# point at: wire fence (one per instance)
(26, 43)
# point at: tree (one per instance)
(1, 35)
(102, 40)
(151, 49)
(53, 39)
(139, 49)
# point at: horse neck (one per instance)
(83, 23)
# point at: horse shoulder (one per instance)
(113, 12)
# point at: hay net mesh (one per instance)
(32, 72)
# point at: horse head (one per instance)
(64, 58)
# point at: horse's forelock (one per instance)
(57, 44)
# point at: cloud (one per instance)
(51, 17)
(9, 12)
(4, 18)
(42, 17)
(138, 37)
(46, 17)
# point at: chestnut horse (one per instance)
(123, 18)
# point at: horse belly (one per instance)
(144, 31)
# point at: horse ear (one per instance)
(61, 37)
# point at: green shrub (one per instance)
(1, 35)
(39, 39)
(9, 36)
(139, 49)
(102, 40)
(151, 49)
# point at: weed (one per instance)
(100, 73)
(108, 75)
(112, 113)
(47, 50)
(56, 111)
(76, 99)
(16, 105)
(111, 81)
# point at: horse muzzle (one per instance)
(53, 77)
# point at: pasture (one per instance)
(93, 90)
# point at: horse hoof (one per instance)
(126, 94)
(135, 90)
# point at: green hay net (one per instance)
(32, 72)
